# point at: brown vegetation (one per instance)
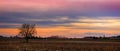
(55, 45)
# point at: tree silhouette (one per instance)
(27, 31)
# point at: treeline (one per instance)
(112, 37)
(60, 37)
(34, 37)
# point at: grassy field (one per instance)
(58, 45)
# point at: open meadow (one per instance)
(57, 45)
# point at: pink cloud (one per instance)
(47, 5)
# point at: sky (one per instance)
(68, 18)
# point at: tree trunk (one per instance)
(27, 39)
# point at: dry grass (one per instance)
(44, 45)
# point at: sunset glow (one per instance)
(67, 18)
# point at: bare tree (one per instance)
(27, 31)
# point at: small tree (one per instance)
(27, 31)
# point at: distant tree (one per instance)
(1, 36)
(27, 31)
(56, 37)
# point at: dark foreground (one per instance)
(58, 45)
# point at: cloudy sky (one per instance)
(69, 18)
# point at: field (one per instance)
(57, 45)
